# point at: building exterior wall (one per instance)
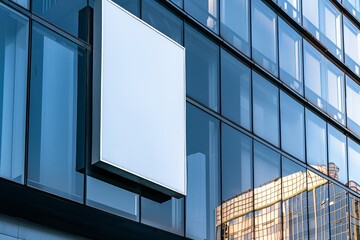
(272, 116)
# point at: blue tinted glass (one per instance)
(353, 6)
(290, 58)
(168, 215)
(202, 68)
(206, 12)
(58, 74)
(180, 3)
(267, 192)
(70, 15)
(236, 163)
(354, 165)
(337, 155)
(24, 3)
(235, 90)
(13, 72)
(292, 127)
(264, 26)
(294, 197)
(112, 199)
(351, 46)
(203, 185)
(265, 109)
(323, 20)
(162, 19)
(292, 8)
(132, 6)
(324, 83)
(316, 150)
(318, 202)
(352, 106)
(235, 24)
(338, 202)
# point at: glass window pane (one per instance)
(318, 202)
(24, 3)
(316, 142)
(292, 8)
(205, 11)
(265, 109)
(58, 75)
(111, 198)
(337, 155)
(354, 165)
(290, 57)
(162, 19)
(180, 3)
(132, 6)
(235, 90)
(354, 209)
(235, 24)
(353, 6)
(202, 68)
(264, 26)
(292, 127)
(69, 15)
(338, 202)
(168, 215)
(351, 46)
(236, 163)
(267, 192)
(237, 193)
(352, 106)
(323, 20)
(324, 83)
(13, 73)
(203, 185)
(294, 200)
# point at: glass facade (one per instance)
(272, 116)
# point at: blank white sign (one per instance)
(142, 128)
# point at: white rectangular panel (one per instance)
(142, 126)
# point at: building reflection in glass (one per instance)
(299, 205)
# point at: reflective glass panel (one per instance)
(352, 46)
(168, 215)
(265, 109)
(13, 72)
(203, 169)
(294, 200)
(202, 68)
(267, 193)
(162, 19)
(70, 15)
(132, 6)
(324, 83)
(292, 126)
(318, 206)
(112, 199)
(338, 202)
(354, 209)
(337, 155)
(353, 6)
(180, 3)
(352, 105)
(264, 26)
(57, 102)
(205, 11)
(290, 58)
(235, 90)
(235, 24)
(316, 150)
(24, 3)
(292, 8)
(354, 165)
(323, 20)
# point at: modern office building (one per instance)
(272, 113)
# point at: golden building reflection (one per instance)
(301, 205)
